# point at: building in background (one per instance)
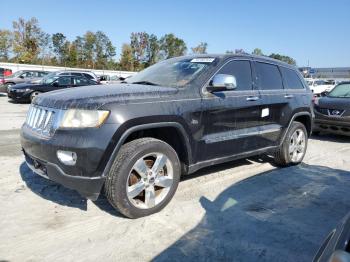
(327, 72)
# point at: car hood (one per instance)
(334, 103)
(23, 86)
(92, 97)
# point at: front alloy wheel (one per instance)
(150, 180)
(143, 178)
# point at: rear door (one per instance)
(230, 119)
(274, 103)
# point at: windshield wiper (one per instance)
(145, 83)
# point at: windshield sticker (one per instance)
(202, 60)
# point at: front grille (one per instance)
(330, 112)
(41, 120)
(323, 111)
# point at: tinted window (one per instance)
(79, 81)
(88, 76)
(64, 81)
(241, 71)
(291, 78)
(269, 76)
(76, 74)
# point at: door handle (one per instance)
(288, 96)
(252, 98)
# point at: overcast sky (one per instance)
(309, 31)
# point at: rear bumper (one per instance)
(88, 187)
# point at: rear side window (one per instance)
(80, 81)
(291, 78)
(88, 76)
(241, 70)
(269, 76)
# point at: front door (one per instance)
(230, 119)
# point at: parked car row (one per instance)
(24, 85)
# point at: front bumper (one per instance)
(18, 96)
(337, 125)
(88, 187)
(90, 145)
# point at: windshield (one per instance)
(342, 90)
(309, 83)
(49, 78)
(17, 74)
(171, 72)
(319, 82)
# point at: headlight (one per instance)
(28, 89)
(78, 118)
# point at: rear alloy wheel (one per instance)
(297, 146)
(293, 149)
(33, 95)
(143, 178)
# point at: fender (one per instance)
(303, 113)
(125, 135)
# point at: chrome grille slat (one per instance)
(41, 120)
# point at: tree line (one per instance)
(28, 43)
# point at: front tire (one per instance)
(293, 148)
(143, 178)
(33, 95)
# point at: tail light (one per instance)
(2, 81)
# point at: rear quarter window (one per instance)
(88, 76)
(291, 79)
(269, 76)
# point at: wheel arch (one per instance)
(168, 132)
(305, 118)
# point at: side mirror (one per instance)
(324, 93)
(21, 76)
(55, 84)
(222, 82)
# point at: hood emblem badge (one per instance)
(335, 112)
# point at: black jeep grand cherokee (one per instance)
(175, 117)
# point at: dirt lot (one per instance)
(241, 211)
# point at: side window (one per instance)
(241, 70)
(291, 78)
(76, 74)
(79, 81)
(269, 76)
(64, 81)
(88, 76)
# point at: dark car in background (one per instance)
(27, 91)
(336, 247)
(23, 76)
(87, 74)
(332, 111)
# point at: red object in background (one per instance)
(7, 72)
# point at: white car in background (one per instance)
(318, 86)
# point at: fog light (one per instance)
(67, 157)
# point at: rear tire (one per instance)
(293, 148)
(143, 178)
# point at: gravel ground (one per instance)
(244, 210)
